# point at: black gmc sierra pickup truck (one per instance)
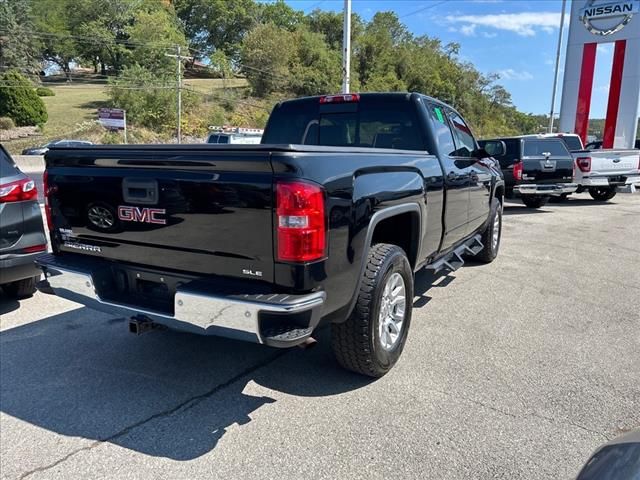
(326, 221)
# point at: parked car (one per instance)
(22, 236)
(602, 172)
(58, 143)
(618, 459)
(235, 135)
(534, 168)
(597, 145)
(326, 221)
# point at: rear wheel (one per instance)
(21, 288)
(560, 198)
(492, 234)
(533, 201)
(602, 194)
(371, 340)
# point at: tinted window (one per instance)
(512, 152)
(465, 144)
(442, 131)
(372, 122)
(536, 148)
(572, 142)
(218, 139)
(7, 167)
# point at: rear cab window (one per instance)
(572, 142)
(540, 148)
(372, 122)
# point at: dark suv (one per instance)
(535, 168)
(22, 235)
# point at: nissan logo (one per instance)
(608, 18)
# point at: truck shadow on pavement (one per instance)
(166, 394)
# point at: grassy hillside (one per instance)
(77, 103)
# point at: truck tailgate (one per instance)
(547, 170)
(201, 211)
(611, 162)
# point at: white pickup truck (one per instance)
(602, 172)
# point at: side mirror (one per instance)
(481, 154)
(495, 148)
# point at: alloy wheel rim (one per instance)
(495, 237)
(392, 311)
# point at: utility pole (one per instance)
(346, 47)
(179, 59)
(555, 78)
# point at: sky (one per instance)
(516, 39)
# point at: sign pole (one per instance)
(555, 78)
(346, 47)
(125, 127)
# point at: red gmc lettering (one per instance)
(142, 215)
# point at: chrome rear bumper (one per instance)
(545, 189)
(201, 312)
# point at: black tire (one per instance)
(357, 342)
(533, 201)
(560, 198)
(602, 194)
(21, 288)
(491, 247)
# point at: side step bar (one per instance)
(454, 260)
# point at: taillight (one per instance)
(47, 202)
(517, 170)
(301, 223)
(344, 98)
(584, 164)
(35, 248)
(18, 191)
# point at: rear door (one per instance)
(202, 211)
(457, 178)
(479, 174)
(546, 161)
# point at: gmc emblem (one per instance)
(142, 215)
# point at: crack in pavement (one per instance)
(165, 413)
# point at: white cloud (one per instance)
(489, 35)
(526, 24)
(468, 30)
(511, 74)
(603, 89)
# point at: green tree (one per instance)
(51, 20)
(153, 34)
(314, 68)
(266, 57)
(280, 14)
(19, 101)
(148, 97)
(18, 49)
(216, 24)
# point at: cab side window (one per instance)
(465, 143)
(442, 130)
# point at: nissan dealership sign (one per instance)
(595, 23)
(608, 18)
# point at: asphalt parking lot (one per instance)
(518, 369)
